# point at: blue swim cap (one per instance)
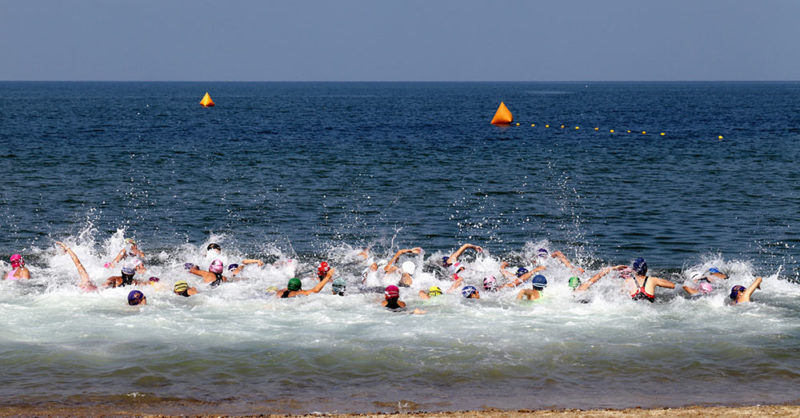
(233, 266)
(735, 291)
(640, 266)
(539, 282)
(339, 286)
(713, 270)
(135, 297)
(468, 291)
(521, 271)
(444, 261)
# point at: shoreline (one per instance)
(175, 409)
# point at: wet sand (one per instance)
(698, 411)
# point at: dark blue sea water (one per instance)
(313, 170)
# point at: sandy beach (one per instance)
(694, 411)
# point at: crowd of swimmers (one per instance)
(634, 278)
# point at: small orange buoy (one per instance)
(207, 102)
(502, 116)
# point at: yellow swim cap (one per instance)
(181, 286)
(434, 291)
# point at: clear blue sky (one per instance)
(382, 40)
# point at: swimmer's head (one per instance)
(216, 267)
(444, 261)
(539, 282)
(391, 292)
(339, 286)
(409, 267)
(294, 284)
(640, 266)
(215, 247)
(626, 273)
(542, 253)
(434, 291)
(489, 283)
(469, 292)
(153, 280)
(456, 267)
(16, 261)
(232, 266)
(521, 271)
(705, 287)
(181, 288)
(136, 297)
(574, 282)
(128, 271)
(322, 270)
(714, 270)
(129, 242)
(735, 290)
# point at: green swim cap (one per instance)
(434, 291)
(294, 284)
(574, 282)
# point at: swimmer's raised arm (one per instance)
(454, 257)
(85, 283)
(320, 285)
(390, 265)
(559, 255)
(600, 274)
(752, 288)
(252, 261)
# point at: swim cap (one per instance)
(713, 270)
(294, 284)
(135, 297)
(468, 291)
(391, 292)
(489, 283)
(16, 261)
(541, 252)
(705, 287)
(455, 267)
(521, 271)
(213, 246)
(539, 282)
(181, 286)
(574, 282)
(434, 291)
(323, 268)
(188, 266)
(130, 241)
(444, 261)
(735, 291)
(640, 266)
(216, 266)
(339, 286)
(154, 280)
(233, 266)
(409, 267)
(128, 271)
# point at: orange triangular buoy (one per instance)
(207, 102)
(502, 116)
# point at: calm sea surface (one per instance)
(318, 171)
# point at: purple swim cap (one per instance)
(135, 297)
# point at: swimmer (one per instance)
(704, 284)
(339, 286)
(451, 262)
(214, 247)
(405, 279)
(182, 288)
(18, 269)
(213, 275)
(129, 250)
(294, 288)
(136, 297)
(470, 292)
(625, 273)
(644, 287)
(538, 283)
(125, 278)
(237, 268)
(430, 293)
(393, 303)
(740, 294)
(490, 284)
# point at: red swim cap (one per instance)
(392, 292)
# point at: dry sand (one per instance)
(744, 411)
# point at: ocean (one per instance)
(297, 173)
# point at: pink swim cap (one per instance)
(216, 266)
(706, 287)
(392, 292)
(16, 261)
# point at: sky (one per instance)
(399, 40)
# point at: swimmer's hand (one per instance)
(416, 250)
(63, 246)
(503, 265)
(418, 311)
(189, 266)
